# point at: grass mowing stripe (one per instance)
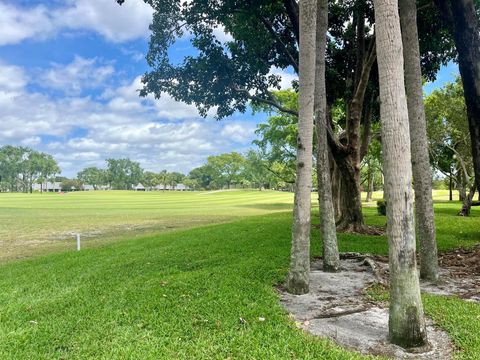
(173, 296)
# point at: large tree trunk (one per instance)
(406, 321)
(467, 41)
(298, 278)
(422, 177)
(461, 16)
(467, 202)
(331, 259)
(349, 160)
(351, 216)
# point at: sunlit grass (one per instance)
(181, 294)
(33, 224)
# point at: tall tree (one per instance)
(256, 169)
(48, 169)
(226, 167)
(462, 17)
(92, 176)
(163, 178)
(298, 278)
(123, 173)
(406, 318)
(346, 148)
(175, 178)
(331, 259)
(422, 177)
(450, 140)
(229, 76)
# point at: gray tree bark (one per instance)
(422, 177)
(369, 184)
(406, 318)
(298, 278)
(331, 259)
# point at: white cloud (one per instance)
(80, 74)
(286, 77)
(114, 22)
(221, 34)
(18, 24)
(238, 132)
(126, 98)
(119, 124)
(12, 78)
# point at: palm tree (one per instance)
(406, 318)
(422, 175)
(331, 259)
(298, 278)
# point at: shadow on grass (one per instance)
(273, 206)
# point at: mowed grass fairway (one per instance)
(32, 224)
(182, 294)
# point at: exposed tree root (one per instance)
(336, 308)
(360, 229)
(333, 314)
(379, 271)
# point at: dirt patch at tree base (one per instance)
(336, 308)
(459, 273)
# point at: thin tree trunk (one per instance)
(462, 192)
(467, 41)
(336, 188)
(331, 259)
(462, 17)
(422, 177)
(406, 319)
(369, 184)
(450, 187)
(467, 202)
(298, 278)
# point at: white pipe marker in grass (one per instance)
(78, 242)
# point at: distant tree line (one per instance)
(229, 170)
(252, 170)
(22, 167)
(124, 174)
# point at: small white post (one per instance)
(78, 242)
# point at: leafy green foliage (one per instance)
(21, 167)
(93, 176)
(237, 43)
(71, 185)
(448, 133)
(382, 207)
(278, 136)
(123, 173)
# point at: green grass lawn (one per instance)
(181, 294)
(32, 224)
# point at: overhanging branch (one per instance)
(270, 101)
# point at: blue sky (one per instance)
(69, 71)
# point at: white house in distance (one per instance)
(48, 187)
(178, 187)
(139, 187)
